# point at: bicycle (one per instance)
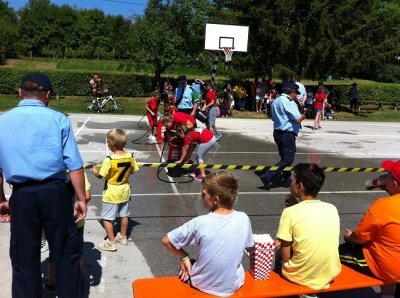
(103, 104)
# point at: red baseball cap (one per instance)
(393, 167)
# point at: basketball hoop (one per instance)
(228, 53)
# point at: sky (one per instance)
(127, 8)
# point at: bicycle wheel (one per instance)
(116, 107)
(87, 106)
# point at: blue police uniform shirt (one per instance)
(284, 114)
(36, 142)
(301, 90)
(187, 98)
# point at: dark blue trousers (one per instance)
(286, 142)
(45, 205)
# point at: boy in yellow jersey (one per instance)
(116, 169)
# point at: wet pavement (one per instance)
(157, 206)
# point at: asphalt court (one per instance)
(157, 207)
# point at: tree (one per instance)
(8, 32)
(64, 30)
(169, 33)
(94, 35)
(36, 21)
(119, 29)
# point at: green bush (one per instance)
(282, 72)
(380, 92)
(389, 73)
(68, 83)
(369, 92)
(76, 83)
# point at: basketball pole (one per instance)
(214, 68)
(225, 69)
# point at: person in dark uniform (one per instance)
(287, 119)
(37, 146)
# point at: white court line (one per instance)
(251, 193)
(245, 193)
(273, 153)
(173, 186)
(80, 128)
(347, 135)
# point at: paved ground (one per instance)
(158, 207)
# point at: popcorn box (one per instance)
(261, 257)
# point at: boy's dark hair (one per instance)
(155, 93)
(311, 176)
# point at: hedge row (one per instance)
(369, 92)
(66, 83)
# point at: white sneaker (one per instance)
(308, 296)
(150, 137)
(44, 246)
(121, 239)
(107, 245)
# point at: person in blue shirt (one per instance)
(353, 98)
(187, 98)
(37, 146)
(287, 119)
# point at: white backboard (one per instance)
(219, 36)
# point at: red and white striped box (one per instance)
(261, 258)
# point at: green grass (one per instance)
(370, 113)
(72, 104)
(136, 106)
(101, 66)
(32, 64)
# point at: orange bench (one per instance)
(275, 286)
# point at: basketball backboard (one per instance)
(226, 36)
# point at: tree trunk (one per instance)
(157, 77)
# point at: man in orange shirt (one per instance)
(373, 247)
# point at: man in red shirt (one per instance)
(373, 246)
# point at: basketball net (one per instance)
(228, 53)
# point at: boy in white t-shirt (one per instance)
(222, 235)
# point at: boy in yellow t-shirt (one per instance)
(116, 169)
(309, 232)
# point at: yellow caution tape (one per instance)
(244, 167)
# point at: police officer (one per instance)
(37, 146)
(187, 99)
(287, 119)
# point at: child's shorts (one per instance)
(111, 211)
